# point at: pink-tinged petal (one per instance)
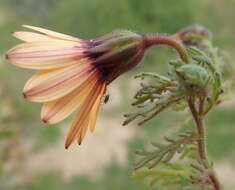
(89, 120)
(44, 46)
(45, 55)
(56, 111)
(32, 37)
(49, 64)
(82, 131)
(47, 86)
(53, 34)
(95, 111)
(46, 76)
(80, 121)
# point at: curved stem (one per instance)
(156, 39)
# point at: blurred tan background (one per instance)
(32, 155)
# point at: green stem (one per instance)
(201, 131)
(157, 39)
(201, 141)
(202, 152)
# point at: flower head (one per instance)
(73, 72)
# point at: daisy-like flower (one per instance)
(73, 72)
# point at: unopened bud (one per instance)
(193, 34)
(116, 52)
(194, 77)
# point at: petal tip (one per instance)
(24, 95)
(7, 56)
(66, 146)
(45, 120)
(26, 26)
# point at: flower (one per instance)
(74, 72)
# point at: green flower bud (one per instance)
(194, 78)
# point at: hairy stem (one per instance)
(200, 129)
(215, 181)
(202, 152)
(157, 39)
(201, 142)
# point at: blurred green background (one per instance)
(32, 155)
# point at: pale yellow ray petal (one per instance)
(44, 46)
(32, 37)
(53, 34)
(45, 65)
(45, 55)
(56, 111)
(46, 75)
(84, 112)
(48, 86)
(95, 110)
(91, 120)
(82, 131)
